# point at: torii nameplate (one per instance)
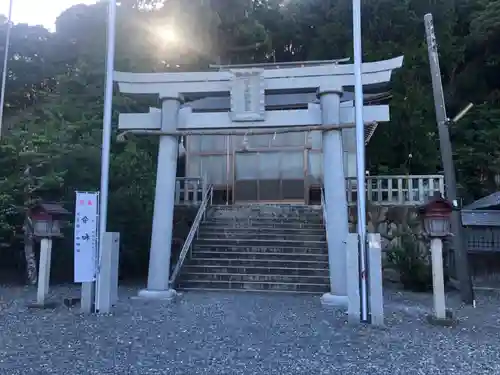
(247, 95)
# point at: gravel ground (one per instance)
(223, 333)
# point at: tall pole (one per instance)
(5, 61)
(106, 128)
(360, 156)
(460, 252)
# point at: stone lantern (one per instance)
(46, 219)
(436, 215)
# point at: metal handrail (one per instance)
(192, 232)
(323, 206)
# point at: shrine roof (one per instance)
(490, 202)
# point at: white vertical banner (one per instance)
(86, 236)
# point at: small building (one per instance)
(268, 168)
(481, 222)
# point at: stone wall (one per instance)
(390, 221)
(399, 227)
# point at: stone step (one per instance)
(258, 263)
(264, 236)
(216, 269)
(258, 215)
(233, 248)
(265, 219)
(215, 289)
(259, 248)
(252, 286)
(266, 208)
(258, 243)
(262, 224)
(266, 256)
(209, 228)
(266, 278)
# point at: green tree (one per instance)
(56, 83)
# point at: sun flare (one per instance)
(168, 35)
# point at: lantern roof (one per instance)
(436, 201)
(53, 209)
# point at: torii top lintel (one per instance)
(198, 84)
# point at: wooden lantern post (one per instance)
(436, 220)
(46, 219)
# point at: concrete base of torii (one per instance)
(164, 295)
(331, 300)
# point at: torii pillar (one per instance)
(158, 286)
(336, 220)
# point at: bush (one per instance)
(411, 258)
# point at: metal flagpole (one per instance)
(5, 60)
(106, 131)
(360, 155)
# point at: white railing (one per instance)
(186, 248)
(189, 190)
(403, 190)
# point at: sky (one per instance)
(39, 12)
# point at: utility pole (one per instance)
(462, 264)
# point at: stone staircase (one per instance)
(279, 248)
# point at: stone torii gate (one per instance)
(247, 88)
